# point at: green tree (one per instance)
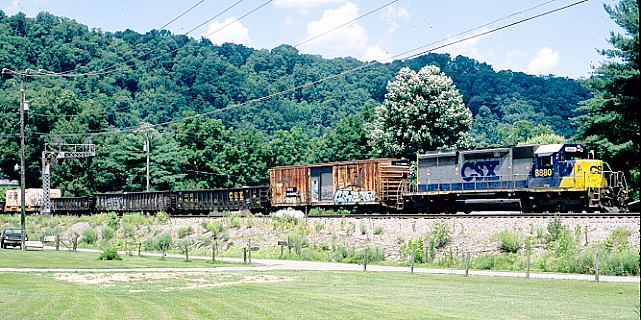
(521, 131)
(611, 121)
(422, 111)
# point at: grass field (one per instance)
(303, 295)
(84, 260)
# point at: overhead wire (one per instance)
(343, 73)
(106, 70)
(344, 24)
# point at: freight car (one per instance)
(366, 184)
(33, 199)
(199, 202)
(552, 177)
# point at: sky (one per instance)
(563, 43)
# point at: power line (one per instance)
(344, 24)
(309, 84)
(114, 67)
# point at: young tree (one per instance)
(611, 120)
(422, 111)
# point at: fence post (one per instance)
(467, 264)
(365, 260)
(529, 261)
(597, 263)
(75, 243)
(244, 255)
(139, 244)
(249, 248)
(412, 263)
(213, 251)
(57, 243)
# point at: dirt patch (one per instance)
(246, 279)
(109, 279)
(188, 280)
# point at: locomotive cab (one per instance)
(566, 168)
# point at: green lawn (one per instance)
(307, 295)
(83, 260)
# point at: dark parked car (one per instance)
(11, 237)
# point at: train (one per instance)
(529, 178)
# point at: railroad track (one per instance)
(440, 216)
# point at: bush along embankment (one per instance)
(554, 247)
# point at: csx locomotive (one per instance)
(532, 178)
(538, 178)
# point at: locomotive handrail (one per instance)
(446, 184)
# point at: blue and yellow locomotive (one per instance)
(536, 178)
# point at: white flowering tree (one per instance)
(422, 111)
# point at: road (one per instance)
(268, 265)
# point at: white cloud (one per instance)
(375, 53)
(391, 13)
(391, 16)
(304, 3)
(341, 42)
(289, 20)
(12, 7)
(234, 32)
(468, 48)
(545, 62)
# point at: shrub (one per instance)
(378, 230)
(109, 254)
(318, 226)
(107, 233)
(618, 240)
(567, 244)
(414, 245)
(296, 240)
(113, 222)
(162, 216)
(374, 254)
(554, 229)
(363, 228)
(185, 231)
(164, 243)
(89, 236)
(484, 262)
(440, 235)
(232, 219)
(621, 263)
(509, 241)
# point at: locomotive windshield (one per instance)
(573, 153)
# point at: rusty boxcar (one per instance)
(375, 182)
(33, 199)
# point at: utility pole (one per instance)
(146, 148)
(24, 104)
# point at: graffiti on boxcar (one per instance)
(114, 203)
(343, 197)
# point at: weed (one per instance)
(184, 231)
(363, 228)
(296, 240)
(618, 240)
(162, 216)
(509, 241)
(440, 234)
(107, 233)
(109, 254)
(89, 236)
(378, 230)
(318, 226)
(414, 246)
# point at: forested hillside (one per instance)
(158, 78)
